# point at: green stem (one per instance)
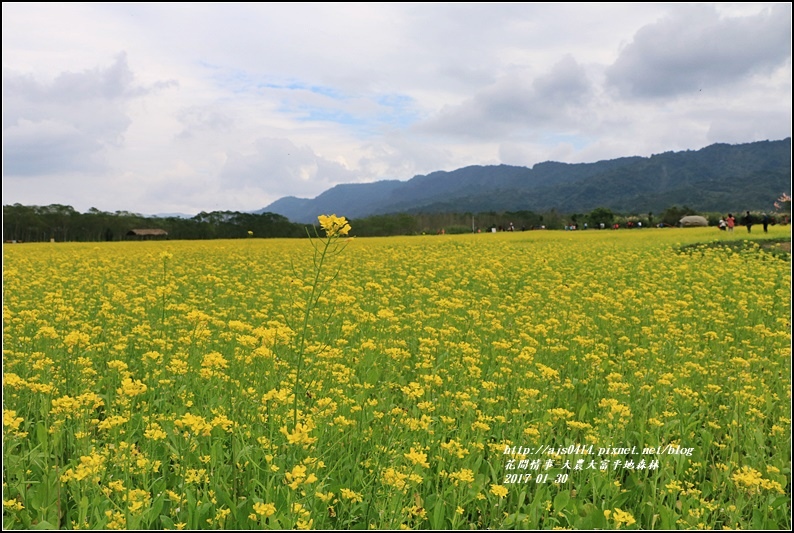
(162, 317)
(302, 347)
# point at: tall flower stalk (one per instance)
(331, 244)
(165, 256)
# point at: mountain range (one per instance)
(719, 177)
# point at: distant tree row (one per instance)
(63, 223)
(426, 223)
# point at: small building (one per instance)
(693, 221)
(145, 234)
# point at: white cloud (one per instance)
(695, 48)
(280, 166)
(45, 147)
(517, 102)
(66, 124)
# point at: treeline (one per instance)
(63, 223)
(451, 223)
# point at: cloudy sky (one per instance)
(164, 108)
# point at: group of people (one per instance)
(729, 222)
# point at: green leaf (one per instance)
(561, 500)
(167, 522)
(668, 518)
(592, 518)
(758, 519)
(41, 434)
(157, 505)
(514, 519)
(438, 521)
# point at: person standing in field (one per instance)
(730, 221)
(765, 222)
(748, 221)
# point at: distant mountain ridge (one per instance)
(719, 177)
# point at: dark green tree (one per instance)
(601, 215)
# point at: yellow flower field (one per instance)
(592, 379)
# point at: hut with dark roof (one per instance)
(145, 234)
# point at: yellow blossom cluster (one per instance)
(621, 518)
(90, 467)
(334, 225)
(752, 480)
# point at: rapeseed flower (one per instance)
(91, 467)
(12, 505)
(455, 448)
(464, 475)
(137, 500)
(620, 517)
(299, 435)
(154, 432)
(264, 509)
(195, 423)
(334, 225)
(749, 478)
(131, 387)
(499, 491)
(11, 422)
(395, 478)
(296, 477)
(116, 520)
(354, 497)
(196, 475)
(417, 458)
